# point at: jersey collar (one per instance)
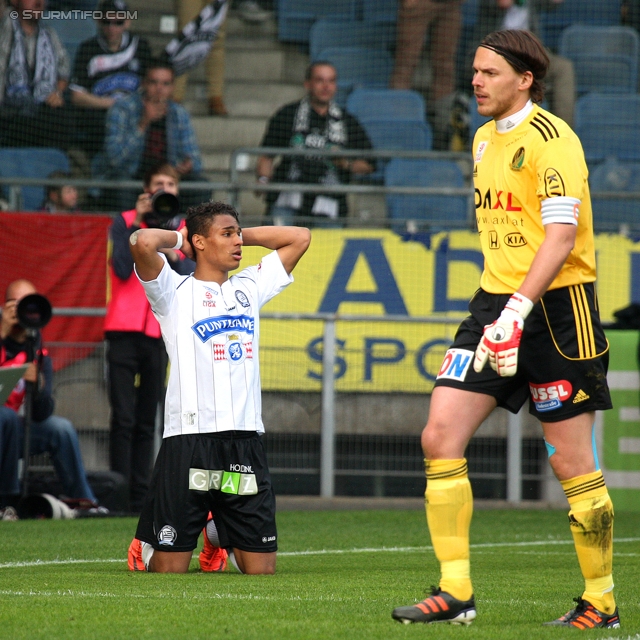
(511, 122)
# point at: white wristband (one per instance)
(178, 241)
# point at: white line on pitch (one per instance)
(322, 552)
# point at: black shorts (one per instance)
(225, 473)
(562, 361)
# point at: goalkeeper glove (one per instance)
(501, 339)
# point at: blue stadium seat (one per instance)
(404, 135)
(605, 58)
(595, 12)
(386, 104)
(409, 135)
(295, 17)
(615, 176)
(380, 10)
(31, 162)
(72, 32)
(328, 32)
(609, 125)
(443, 211)
(358, 67)
(470, 12)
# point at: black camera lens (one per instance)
(165, 205)
(34, 311)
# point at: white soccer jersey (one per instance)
(212, 333)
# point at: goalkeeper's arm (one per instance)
(501, 340)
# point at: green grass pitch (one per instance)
(340, 573)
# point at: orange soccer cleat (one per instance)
(134, 559)
(212, 558)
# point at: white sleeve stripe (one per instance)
(562, 209)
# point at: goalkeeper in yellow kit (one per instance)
(534, 330)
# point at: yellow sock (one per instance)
(591, 521)
(449, 506)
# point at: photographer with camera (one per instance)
(48, 433)
(136, 356)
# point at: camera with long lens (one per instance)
(165, 208)
(34, 311)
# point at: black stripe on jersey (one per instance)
(546, 130)
(545, 119)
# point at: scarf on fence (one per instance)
(334, 134)
(26, 88)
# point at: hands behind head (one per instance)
(186, 248)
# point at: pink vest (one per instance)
(128, 308)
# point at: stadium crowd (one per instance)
(85, 100)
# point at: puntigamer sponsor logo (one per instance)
(238, 483)
(209, 327)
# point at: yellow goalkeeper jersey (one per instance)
(513, 173)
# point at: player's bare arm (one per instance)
(290, 242)
(552, 254)
(145, 244)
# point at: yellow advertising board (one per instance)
(379, 273)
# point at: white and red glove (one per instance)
(501, 339)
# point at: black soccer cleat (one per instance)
(440, 606)
(586, 616)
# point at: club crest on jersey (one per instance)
(209, 327)
(480, 150)
(241, 297)
(455, 364)
(167, 536)
(550, 395)
(234, 350)
(518, 160)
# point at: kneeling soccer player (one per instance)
(212, 458)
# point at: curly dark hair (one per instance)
(200, 218)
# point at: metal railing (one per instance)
(328, 468)
(239, 164)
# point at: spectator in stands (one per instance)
(107, 67)
(317, 122)
(34, 72)
(135, 347)
(495, 15)
(443, 19)
(214, 64)
(60, 198)
(146, 129)
(49, 433)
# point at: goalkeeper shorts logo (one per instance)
(550, 395)
(455, 364)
